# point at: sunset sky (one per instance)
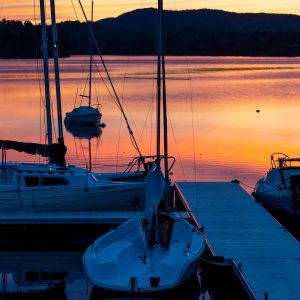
(24, 10)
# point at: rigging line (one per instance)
(119, 132)
(81, 66)
(98, 143)
(76, 150)
(193, 124)
(83, 153)
(118, 147)
(109, 78)
(177, 148)
(74, 10)
(84, 88)
(108, 90)
(191, 101)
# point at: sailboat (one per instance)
(86, 115)
(54, 186)
(279, 191)
(156, 252)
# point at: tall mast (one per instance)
(91, 58)
(165, 122)
(56, 72)
(159, 50)
(164, 98)
(46, 71)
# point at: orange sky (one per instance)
(24, 10)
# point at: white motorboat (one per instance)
(152, 254)
(279, 191)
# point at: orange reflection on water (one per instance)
(223, 123)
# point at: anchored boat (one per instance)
(156, 252)
(151, 254)
(54, 186)
(279, 191)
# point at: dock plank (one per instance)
(238, 228)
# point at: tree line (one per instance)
(191, 32)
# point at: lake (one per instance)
(226, 115)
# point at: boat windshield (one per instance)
(281, 178)
(287, 174)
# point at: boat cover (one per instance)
(56, 152)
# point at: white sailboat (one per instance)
(141, 256)
(154, 253)
(85, 115)
(54, 186)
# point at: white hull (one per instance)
(277, 200)
(116, 260)
(35, 188)
(75, 199)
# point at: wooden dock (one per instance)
(265, 255)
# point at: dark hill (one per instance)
(206, 18)
(188, 32)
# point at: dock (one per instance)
(265, 255)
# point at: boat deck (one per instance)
(265, 255)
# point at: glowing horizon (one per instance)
(69, 10)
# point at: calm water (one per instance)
(215, 131)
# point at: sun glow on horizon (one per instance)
(69, 9)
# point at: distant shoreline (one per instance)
(188, 33)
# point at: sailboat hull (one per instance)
(83, 115)
(44, 189)
(74, 200)
(117, 261)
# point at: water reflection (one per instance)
(191, 291)
(42, 276)
(84, 132)
(59, 275)
(214, 130)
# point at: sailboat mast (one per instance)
(161, 77)
(159, 50)
(56, 72)
(165, 122)
(162, 69)
(91, 57)
(46, 71)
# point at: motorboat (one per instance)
(279, 190)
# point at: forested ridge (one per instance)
(188, 32)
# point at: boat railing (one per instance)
(147, 162)
(281, 160)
